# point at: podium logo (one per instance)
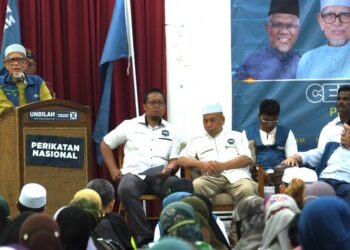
(73, 115)
(53, 115)
(42, 115)
(326, 93)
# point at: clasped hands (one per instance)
(210, 167)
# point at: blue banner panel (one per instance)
(306, 105)
(55, 151)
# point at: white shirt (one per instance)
(338, 165)
(224, 147)
(144, 146)
(330, 132)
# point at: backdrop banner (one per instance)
(306, 105)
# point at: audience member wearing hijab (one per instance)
(5, 214)
(316, 190)
(179, 219)
(214, 221)
(177, 196)
(279, 210)
(40, 232)
(90, 195)
(201, 208)
(90, 201)
(325, 224)
(250, 223)
(11, 232)
(76, 225)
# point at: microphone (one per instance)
(22, 77)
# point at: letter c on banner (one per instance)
(314, 93)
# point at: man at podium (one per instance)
(17, 88)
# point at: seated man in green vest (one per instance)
(16, 87)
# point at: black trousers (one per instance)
(130, 189)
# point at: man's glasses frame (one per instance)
(330, 17)
(156, 103)
(268, 121)
(280, 26)
(16, 59)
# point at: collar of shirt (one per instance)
(337, 120)
(142, 120)
(268, 138)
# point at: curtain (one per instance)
(68, 36)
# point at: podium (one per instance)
(47, 142)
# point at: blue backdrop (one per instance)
(306, 105)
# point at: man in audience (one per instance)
(32, 198)
(330, 60)
(274, 143)
(31, 69)
(18, 88)
(332, 164)
(277, 61)
(106, 191)
(31, 62)
(149, 141)
(112, 226)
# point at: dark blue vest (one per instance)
(32, 91)
(269, 156)
(328, 151)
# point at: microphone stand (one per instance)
(23, 78)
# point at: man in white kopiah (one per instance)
(331, 59)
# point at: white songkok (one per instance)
(326, 3)
(33, 195)
(212, 108)
(15, 48)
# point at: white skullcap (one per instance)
(305, 174)
(33, 195)
(326, 3)
(15, 48)
(212, 108)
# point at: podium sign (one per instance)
(48, 143)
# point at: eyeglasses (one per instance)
(156, 103)
(280, 26)
(330, 18)
(268, 121)
(16, 59)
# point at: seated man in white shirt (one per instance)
(332, 164)
(274, 143)
(222, 157)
